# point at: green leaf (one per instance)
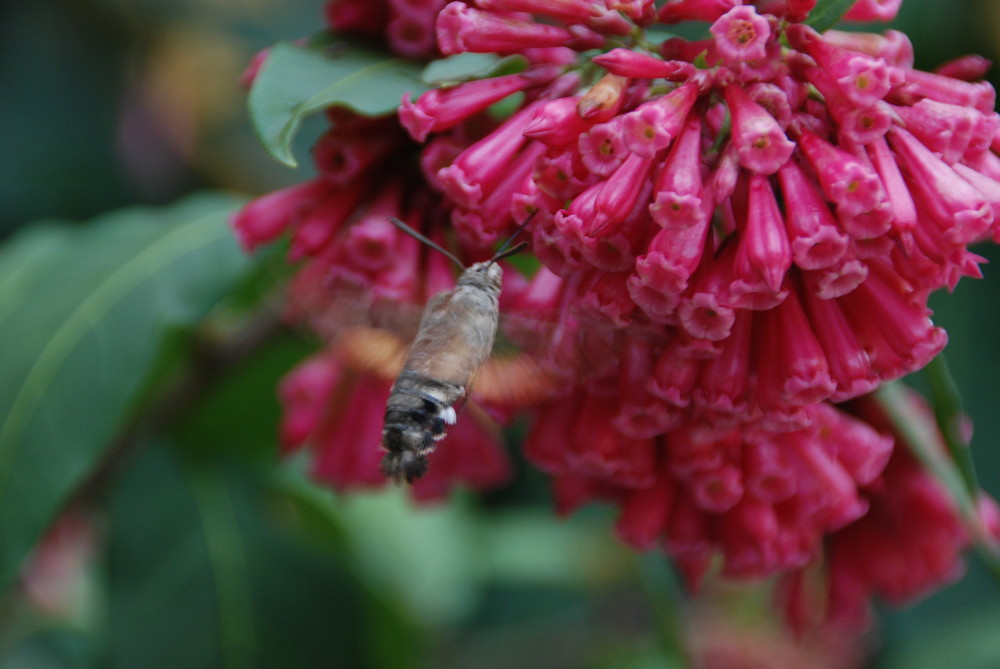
(426, 556)
(827, 13)
(83, 312)
(467, 66)
(925, 441)
(942, 450)
(206, 569)
(296, 81)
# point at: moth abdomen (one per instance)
(416, 414)
(404, 465)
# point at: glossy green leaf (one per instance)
(827, 13)
(296, 81)
(467, 66)
(83, 312)
(206, 569)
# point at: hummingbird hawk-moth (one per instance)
(454, 340)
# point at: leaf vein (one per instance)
(105, 296)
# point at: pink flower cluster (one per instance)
(751, 222)
(913, 528)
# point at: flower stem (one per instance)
(947, 402)
(664, 596)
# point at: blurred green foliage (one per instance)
(204, 550)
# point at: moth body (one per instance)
(454, 340)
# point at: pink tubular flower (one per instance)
(557, 123)
(856, 123)
(618, 195)
(863, 79)
(816, 241)
(967, 68)
(725, 380)
(337, 462)
(763, 254)
(653, 125)
(573, 11)
(979, 95)
(669, 263)
(797, 373)
(484, 225)
(704, 312)
(461, 28)
(695, 10)
(759, 139)
(943, 128)
(602, 148)
(411, 28)
(481, 167)
(267, 217)
(853, 186)
(848, 363)
(946, 197)
(873, 10)
(360, 16)
(904, 213)
(678, 194)
(440, 109)
(320, 225)
(343, 157)
(628, 63)
(793, 11)
(741, 35)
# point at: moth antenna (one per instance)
(509, 252)
(434, 245)
(504, 251)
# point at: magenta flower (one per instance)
(695, 10)
(442, 109)
(759, 140)
(678, 192)
(741, 35)
(461, 28)
(873, 10)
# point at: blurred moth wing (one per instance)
(507, 379)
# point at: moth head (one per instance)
(487, 275)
